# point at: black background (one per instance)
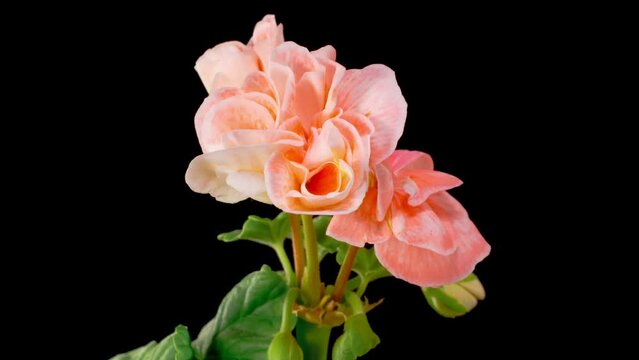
(139, 249)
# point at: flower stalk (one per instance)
(286, 264)
(344, 272)
(311, 279)
(298, 247)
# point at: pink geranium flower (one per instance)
(357, 127)
(421, 233)
(293, 127)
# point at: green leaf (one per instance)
(176, 346)
(326, 244)
(261, 230)
(366, 264)
(247, 320)
(182, 344)
(358, 339)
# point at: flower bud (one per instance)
(284, 347)
(456, 299)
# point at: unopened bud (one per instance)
(456, 299)
(284, 347)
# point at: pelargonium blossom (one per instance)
(292, 127)
(420, 232)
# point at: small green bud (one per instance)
(284, 347)
(457, 299)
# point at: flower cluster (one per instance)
(292, 127)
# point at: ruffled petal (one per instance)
(325, 52)
(295, 57)
(309, 94)
(248, 137)
(426, 268)
(210, 172)
(286, 178)
(360, 227)
(202, 177)
(259, 82)
(420, 184)
(408, 160)
(420, 226)
(226, 65)
(373, 91)
(229, 114)
(384, 180)
(326, 144)
(267, 35)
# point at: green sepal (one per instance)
(455, 299)
(358, 337)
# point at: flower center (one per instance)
(327, 179)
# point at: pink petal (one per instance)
(259, 82)
(325, 144)
(205, 110)
(247, 137)
(296, 57)
(284, 82)
(362, 123)
(326, 52)
(267, 35)
(266, 101)
(337, 199)
(286, 178)
(420, 184)
(280, 179)
(329, 178)
(455, 218)
(229, 114)
(420, 226)
(384, 181)
(373, 91)
(408, 160)
(333, 75)
(293, 124)
(360, 227)
(309, 94)
(359, 154)
(226, 65)
(424, 267)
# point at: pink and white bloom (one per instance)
(420, 232)
(293, 127)
(356, 128)
(238, 125)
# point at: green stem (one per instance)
(311, 278)
(298, 247)
(313, 340)
(286, 264)
(287, 311)
(362, 286)
(344, 272)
